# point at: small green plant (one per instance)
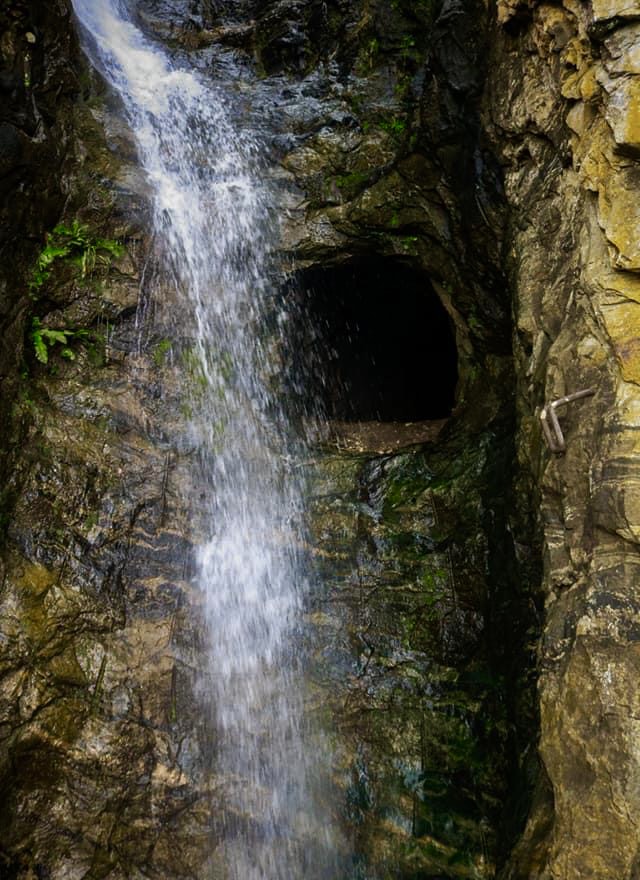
(161, 351)
(91, 520)
(96, 347)
(195, 371)
(354, 101)
(394, 126)
(76, 244)
(353, 181)
(46, 338)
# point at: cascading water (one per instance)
(212, 218)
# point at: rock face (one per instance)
(97, 666)
(562, 111)
(36, 137)
(489, 154)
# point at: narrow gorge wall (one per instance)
(562, 108)
(483, 154)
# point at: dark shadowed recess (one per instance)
(383, 344)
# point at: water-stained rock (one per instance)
(419, 701)
(496, 157)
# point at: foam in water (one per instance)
(212, 218)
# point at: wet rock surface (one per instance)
(418, 692)
(102, 769)
(371, 118)
(106, 758)
(494, 153)
(38, 86)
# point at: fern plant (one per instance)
(45, 338)
(76, 244)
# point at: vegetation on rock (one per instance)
(77, 245)
(45, 338)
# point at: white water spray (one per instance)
(211, 216)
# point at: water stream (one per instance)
(211, 214)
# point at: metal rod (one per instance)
(577, 395)
(551, 429)
(548, 433)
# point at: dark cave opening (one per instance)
(384, 344)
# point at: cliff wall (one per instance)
(479, 598)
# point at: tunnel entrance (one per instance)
(385, 345)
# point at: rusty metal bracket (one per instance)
(551, 426)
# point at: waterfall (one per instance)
(211, 215)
